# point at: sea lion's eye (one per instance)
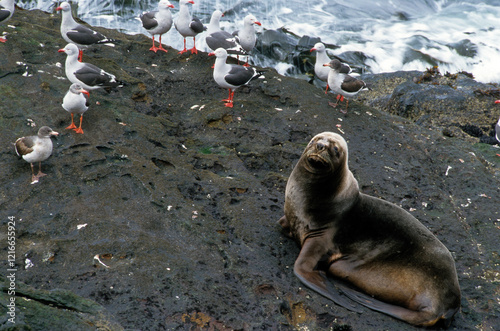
(336, 150)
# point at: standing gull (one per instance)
(246, 36)
(36, 149)
(321, 58)
(87, 75)
(187, 25)
(497, 131)
(6, 11)
(217, 38)
(74, 102)
(158, 22)
(343, 84)
(231, 76)
(79, 34)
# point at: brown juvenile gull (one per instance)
(36, 149)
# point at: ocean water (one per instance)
(374, 35)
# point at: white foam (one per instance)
(367, 26)
(282, 68)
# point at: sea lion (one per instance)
(378, 254)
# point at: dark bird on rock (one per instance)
(231, 76)
(321, 58)
(79, 34)
(74, 102)
(6, 11)
(497, 131)
(343, 84)
(217, 38)
(187, 25)
(246, 37)
(158, 22)
(87, 75)
(36, 149)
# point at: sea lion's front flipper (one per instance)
(285, 226)
(309, 256)
(284, 223)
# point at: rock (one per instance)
(162, 215)
(34, 307)
(431, 99)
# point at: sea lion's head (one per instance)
(325, 153)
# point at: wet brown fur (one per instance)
(377, 253)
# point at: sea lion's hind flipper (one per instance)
(363, 298)
(319, 283)
(423, 318)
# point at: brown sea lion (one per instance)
(378, 254)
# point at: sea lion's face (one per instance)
(325, 153)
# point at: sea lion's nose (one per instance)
(320, 146)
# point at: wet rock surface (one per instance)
(454, 103)
(162, 215)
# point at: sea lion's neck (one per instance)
(339, 182)
(316, 201)
(335, 193)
